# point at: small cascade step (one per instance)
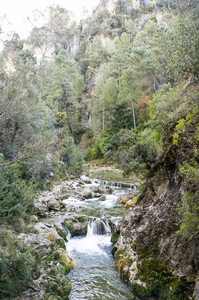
(68, 235)
(98, 226)
(118, 184)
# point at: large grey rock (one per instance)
(41, 208)
(40, 244)
(104, 189)
(77, 225)
(196, 291)
(151, 227)
(85, 179)
(52, 203)
(87, 193)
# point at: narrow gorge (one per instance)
(99, 152)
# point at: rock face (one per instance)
(150, 252)
(77, 225)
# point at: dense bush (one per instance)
(190, 209)
(16, 195)
(16, 265)
(71, 155)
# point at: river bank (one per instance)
(73, 231)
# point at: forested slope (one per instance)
(121, 86)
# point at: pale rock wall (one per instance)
(105, 40)
(73, 47)
(45, 52)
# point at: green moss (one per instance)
(118, 254)
(81, 219)
(159, 281)
(60, 243)
(70, 227)
(129, 260)
(133, 247)
(53, 286)
(62, 233)
(123, 262)
(58, 289)
(58, 286)
(115, 237)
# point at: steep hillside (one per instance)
(155, 250)
(122, 87)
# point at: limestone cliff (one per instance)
(111, 5)
(158, 261)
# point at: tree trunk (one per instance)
(103, 120)
(66, 104)
(133, 114)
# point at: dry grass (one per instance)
(51, 236)
(120, 265)
(67, 262)
(131, 202)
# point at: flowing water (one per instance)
(94, 276)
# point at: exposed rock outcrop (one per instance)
(150, 252)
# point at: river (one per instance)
(94, 276)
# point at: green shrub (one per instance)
(71, 155)
(94, 151)
(190, 208)
(16, 195)
(16, 265)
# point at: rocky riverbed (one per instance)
(63, 213)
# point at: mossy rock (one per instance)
(77, 226)
(62, 233)
(115, 237)
(160, 282)
(53, 286)
(82, 218)
(60, 243)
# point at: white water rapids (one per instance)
(94, 276)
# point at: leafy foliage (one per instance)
(16, 195)
(71, 155)
(190, 209)
(16, 265)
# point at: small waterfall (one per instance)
(105, 222)
(114, 223)
(68, 234)
(99, 226)
(91, 227)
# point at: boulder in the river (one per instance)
(77, 225)
(85, 179)
(66, 186)
(104, 189)
(61, 197)
(87, 193)
(97, 195)
(52, 203)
